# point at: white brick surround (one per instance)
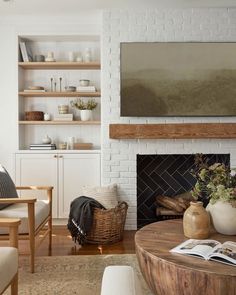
(119, 156)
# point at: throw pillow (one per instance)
(7, 187)
(106, 195)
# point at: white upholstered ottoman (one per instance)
(120, 279)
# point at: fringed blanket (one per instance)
(81, 217)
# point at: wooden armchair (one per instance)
(34, 215)
(9, 257)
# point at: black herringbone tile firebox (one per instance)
(167, 175)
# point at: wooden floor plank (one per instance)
(62, 245)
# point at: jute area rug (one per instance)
(67, 275)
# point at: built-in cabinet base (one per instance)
(66, 172)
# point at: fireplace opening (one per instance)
(166, 175)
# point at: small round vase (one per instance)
(46, 140)
(86, 115)
(223, 217)
(196, 221)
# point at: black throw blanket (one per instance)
(81, 217)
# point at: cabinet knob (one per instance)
(60, 156)
(55, 156)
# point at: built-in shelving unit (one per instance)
(69, 73)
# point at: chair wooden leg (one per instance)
(49, 194)
(50, 236)
(31, 225)
(14, 285)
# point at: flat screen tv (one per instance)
(178, 79)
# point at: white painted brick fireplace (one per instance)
(119, 156)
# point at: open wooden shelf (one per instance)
(60, 122)
(60, 65)
(60, 94)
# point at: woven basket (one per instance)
(34, 116)
(108, 225)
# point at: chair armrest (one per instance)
(13, 224)
(17, 200)
(9, 222)
(34, 187)
(47, 188)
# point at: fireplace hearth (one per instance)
(166, 175)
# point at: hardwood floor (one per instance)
(62, 244)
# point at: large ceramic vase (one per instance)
(196, 221)
(223, 217)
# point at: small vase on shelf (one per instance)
(46, 140)
(87, 55)
(196, 221)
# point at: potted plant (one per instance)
(217, 184)
(85, 108)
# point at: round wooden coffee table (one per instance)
(176, 274)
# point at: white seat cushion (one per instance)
(120, 279)
(105, 195)
(8, 265)
(21, 211)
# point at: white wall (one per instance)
(10, 27)
(119, 156)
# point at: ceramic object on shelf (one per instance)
(86, 115)
(79, 58)
(196, 221)
(46, 140)
(63, 109)
(87, 55)
(47, 117)
(84, 82)
(70, 88)
(223, 217)
(70, 143)
(62, 146)
(39, 58)
(50, 57)
(71, 56)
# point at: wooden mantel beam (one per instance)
(177, 131)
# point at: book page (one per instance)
(201, 248)
(226, 252)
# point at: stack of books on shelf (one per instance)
(63, 117)
(49, 146)
(25, 52)
(86, 89)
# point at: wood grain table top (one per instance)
(155, 240)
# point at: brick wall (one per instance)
(119, 156)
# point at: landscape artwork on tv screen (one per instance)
(178, 79)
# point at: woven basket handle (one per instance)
(122, 205)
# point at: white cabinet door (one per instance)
(75, 171)
(39, 170)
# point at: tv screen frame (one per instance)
(178, 79)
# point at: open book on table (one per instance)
(209, 250)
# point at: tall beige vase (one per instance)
(196, 221)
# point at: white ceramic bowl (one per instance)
(84, 82)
